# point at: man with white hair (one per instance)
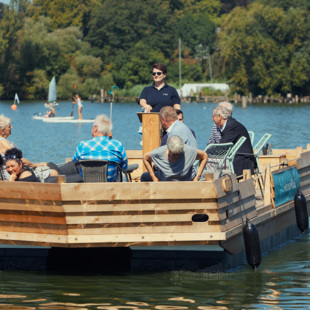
(101, 147)
(232, 131)
(215, 135)
(174, 161)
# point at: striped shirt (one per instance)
(215, 136)
(102, 148)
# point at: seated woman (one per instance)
(16, 169)
(50, 113)
(174, 162)
(41, 170)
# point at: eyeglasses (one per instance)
(158, 73)
(10, 156)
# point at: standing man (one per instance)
(101, 147)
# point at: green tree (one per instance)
(268, 48)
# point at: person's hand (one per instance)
(44, 163)
(148, 108)
(195, 179)
(13, 177)
(156, 180)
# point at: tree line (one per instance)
(259, 46)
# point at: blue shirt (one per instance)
(102, 148)
(166, 96)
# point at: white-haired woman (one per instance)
(174, 162)
(5, 131)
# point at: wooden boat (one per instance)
(155, 226)
(154, 216)
(56, 120)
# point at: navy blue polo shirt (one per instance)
(166, 96)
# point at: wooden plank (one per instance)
(136, 191)
(34, 228)
(42, 238)
(247, 188)
(304, 171)
(304, 160)
(134, 154)
(137, 218)
(267, 185)
(305, 181)
(140, 205)
(32, 218)
(239, 219)
(219, 188)
(146, 237)
(31, 205)
(237, 207)
(29, 190)
(190, 228)
(289, 153)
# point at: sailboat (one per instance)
(52, 94)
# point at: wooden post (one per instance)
(250, 98)
(267, 185)
(308, 147)
(151, 132)
(296, 99)
(102, 94)
(244, 102)
(236, 100)
(299, 150)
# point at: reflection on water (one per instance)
(282, 281)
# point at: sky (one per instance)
(5, 1)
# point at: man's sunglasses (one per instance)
(10, 156)
(158, 73)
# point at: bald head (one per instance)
(227, 105)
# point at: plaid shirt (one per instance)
(102, 148)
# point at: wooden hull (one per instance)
(93, 215)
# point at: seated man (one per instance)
(101, 147)
(181, 119)
(232, 131)
(174, 162)
(169, 120)
(215, 136)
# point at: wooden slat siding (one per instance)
(29, 190)
(138, 218)
(31, 205)
(304, 160)
(18, 237)
(138, 228)
(146, 237)
(304, 171)
(237, 207)
(46, 244)
(136, 191)
(139, 205)
(290, 153)
(219, 188)
(37, 228)
(133, 244)
(32, 217)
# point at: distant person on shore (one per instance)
(77, 101)
(16, 169)
(232, 131)
(101, 147)
(169, 120)
(160, 94)
(41, 170)
(174, 162)
(50, 113)
(215, 136)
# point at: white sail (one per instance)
(52, 95)
(16, 99)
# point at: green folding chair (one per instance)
(217, 154)
(251, 134)
(233, 152)
(258, 147)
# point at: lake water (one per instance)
(281, 282)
